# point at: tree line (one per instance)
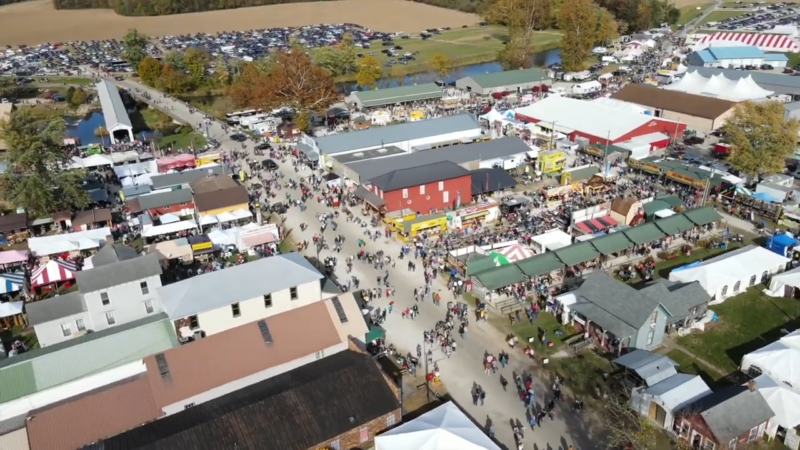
(163, 7)
(10, 2)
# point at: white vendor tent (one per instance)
(10, 309)
(174, 227)
(135, 169)
(784, 284)
(783, 400)
(62, 243)
(96, 161)
(777, 360)
(733, 272)
(444, 428)
(551, 241)
(719, 86)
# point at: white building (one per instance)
(735, 56)
(213, 302)
(119, 289)
(117, 122)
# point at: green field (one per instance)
(689, 13)
(719, 15)
(463, 47)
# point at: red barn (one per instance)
(598, 123)
(424, 189)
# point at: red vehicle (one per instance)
(722, 149)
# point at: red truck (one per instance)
(722, 149)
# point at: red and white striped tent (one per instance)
(55, 271)
(516, 252)
(765, 42)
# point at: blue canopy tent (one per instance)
(767, 197)
(780, 243)
(11, 282)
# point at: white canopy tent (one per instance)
(62, 243)
(168, 218)
(783, 400)
(97, 161)
(209, 220)
(551, 241)
(780, 284)
(719, 86)
(733, 272)
(226, 217)
(10, 309)
(444, 428)
(174, 227)
(242, 214)
(777, 360)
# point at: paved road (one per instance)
(692, 24)
(464, 367)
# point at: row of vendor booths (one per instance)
(186, 161)
(557, 253)
(244, 239)
(407, 224)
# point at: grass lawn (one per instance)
(581, 373)
(794, 59)
(692, 367)
(689, 13)
(462, 46)
(718, 15)
(746, 323)
(169, 134)
(663, 268)
(65, 80)
(523, 329)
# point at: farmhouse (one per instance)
(404, 137)
(596, 122)
(697, 111)
(510, 80)
(392, 96)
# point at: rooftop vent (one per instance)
(358, 155)
(265, 334)
(163, 367)
(337, 305)
(383, 150)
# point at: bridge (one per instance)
(114, 112)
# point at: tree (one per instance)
(7, 87)
(396, 73)
(607, 27)
(577, 19)
(39, 181)
(625, 425)
(150, 70)
(133, 47)
(303, 121)
(514, 56)
(440, 64)
(292, 81)
(172, 81)
(347, 54)
(760, 137)
(222, 72)
(196, 62)
(369, 72)
(175, 59)
(79, 97)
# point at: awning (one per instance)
(10, 309)
(169, 218)
(540, 265)
(702, 216)
(54, 271)
(643, 234)
(577, 254)
(369, 197)
(374, 333)
(226, 217)
(242, 214)
(209, 220)
(475, 215)
(11, 282)
(611, 243)
(673, 225)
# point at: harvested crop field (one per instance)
(37, 21)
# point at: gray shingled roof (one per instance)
(162, 199)
(416, 176)
(218, 289)
(55, 308)
(113, 253)
(678, 298)
(459, 154)
(391, 134)
(110, 275)
(185, 177)
(732, 411)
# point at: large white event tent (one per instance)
(719, 86)
(732, 273)
(784, 284)
(444, 428)
(784, 402)
(780, 360)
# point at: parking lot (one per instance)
(753, 17)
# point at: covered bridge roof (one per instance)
(114, 112)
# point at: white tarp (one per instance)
(551, 240)
(132, 170)
(777, 360)
(782, 399)
(444, 428)
(96, 161)
(226, 217)
(209, 220)
(175, 227)
(719, 86)
(224, 237)
(733, 272)
(10, 309)
(168, 218)
(779, 282)
(62, 243)
(242, 214)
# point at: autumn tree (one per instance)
(577, 19)
(133, 47)
(150, 71)
(292, 81)
(515, 56)
(369, 72)
(39, 181)
(174, 59)
(440, 64)
(303, 121)
(195, 62)
(222, 72)
(339, 59)
(626, 426)
(521, 18)
(7, 86)
(172, 80)
(761, 138)
(607, 27)
(78, 98)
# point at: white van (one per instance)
(609, 59)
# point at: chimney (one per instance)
(751, 385)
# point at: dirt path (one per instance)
(97, 24)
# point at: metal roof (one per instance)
(738, 52)
(218, 289)
(54, 308)
(393, 134)
(114, 111)
(510, 78)
(399, 94)
(90, 354)
(185, 177)
(161, 199)
(651, 367)
(416, 176)
(110, 275)
(459, 154)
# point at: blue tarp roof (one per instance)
(764, 196)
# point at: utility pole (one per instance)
(605, 154)
(427, 383)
